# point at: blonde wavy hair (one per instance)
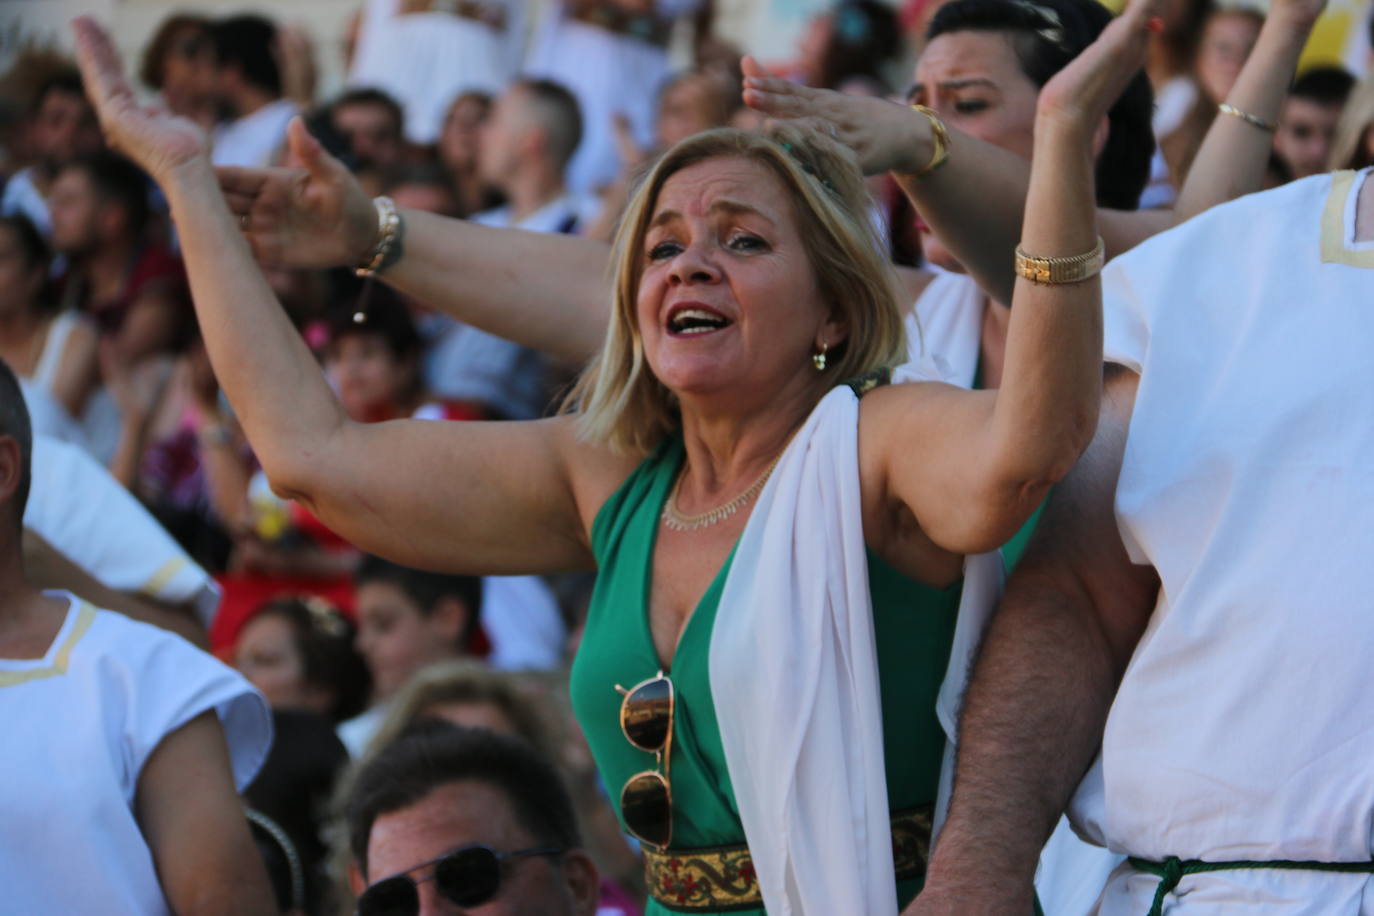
(617, 399)
(1348, 149)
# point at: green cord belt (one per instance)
(1172, 870)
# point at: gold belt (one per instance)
(721, 879)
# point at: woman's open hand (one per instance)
(1080, 95)
(314, 215)
(885, 136)
(158, 141)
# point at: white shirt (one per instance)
(520, 616)
(22, 196)
(253, 140)
(609, 74)
(78, 508)
(463, 363)
(1242, 728)
(78, 725)
(425, 60)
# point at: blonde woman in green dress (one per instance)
(748, 285)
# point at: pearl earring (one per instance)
(819, 358)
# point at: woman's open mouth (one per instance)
(695, 320)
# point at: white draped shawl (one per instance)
(794, 676)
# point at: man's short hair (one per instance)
(117, 180)
(1329, 86)
(14, 422)
(247, 42)
(66, 81)
(426, 589)
(373, 97)
(434, 753)
(558, 113)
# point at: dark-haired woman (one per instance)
(52, 351)
(299, 652)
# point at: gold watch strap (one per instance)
(1055, 271)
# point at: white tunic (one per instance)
(1243, 728)
(79, 508)
(78, 725)
(946, 323)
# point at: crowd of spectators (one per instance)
(466, 110)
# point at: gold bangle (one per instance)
(1255, 120)
(389, 225)
(939, 138)
(1055, 271)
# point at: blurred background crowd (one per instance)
(536, 116)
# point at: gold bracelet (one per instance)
(1057, 271)
(1248, 118)
(389, 225)
(939, 138)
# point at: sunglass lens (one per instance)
(647, 809)
(647, 714)
(469, 877)
(392, 897)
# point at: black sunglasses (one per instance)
(467, 877)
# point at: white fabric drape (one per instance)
(794, 677)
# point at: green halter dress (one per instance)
(914, 628)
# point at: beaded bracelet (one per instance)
(387, 250)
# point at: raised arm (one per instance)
(1045, 677)
(972, 485)
(1235, 153)
(467, 497)
(976, 201)
(544, 290)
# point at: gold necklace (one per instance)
(678, 521)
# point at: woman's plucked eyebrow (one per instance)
(950, 86)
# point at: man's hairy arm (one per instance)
(1044, 680)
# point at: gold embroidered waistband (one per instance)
(721, 879)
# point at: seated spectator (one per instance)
(61, 128)
(1228, 36)
(422, 186)
(423, 52)
(407, 619)
(1307, 125)
(299, 653)
(181, 451)
(1353, 147)
(457, 150)
(118, 271)
(693, 101)
(373, 356)
(125, 747)
(249, 83)
(179, 63)
(370, 123)
(446, 817)
(56, 351)
(850, 39)
(469, 694)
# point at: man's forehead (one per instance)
(448, 817)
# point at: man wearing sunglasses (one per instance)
(448, 820)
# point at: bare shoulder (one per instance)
(891, 528)
(595, 471)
